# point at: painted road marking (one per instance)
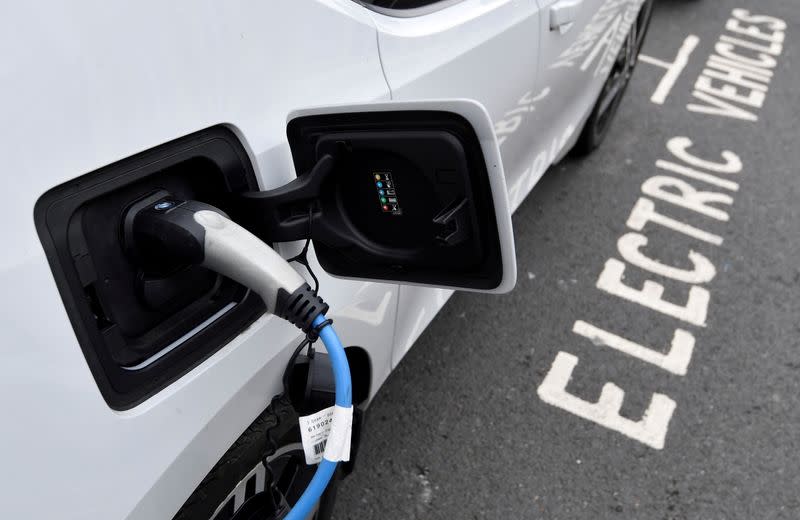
(673, 68)
(650, 295)
(662, 186)
(651, 429)
(631, 244)
(679, 147)
(742, 65)
(676, 361)
(737, 72)
(645, 211)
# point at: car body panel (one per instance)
(89, 83)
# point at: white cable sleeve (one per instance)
(338, 446)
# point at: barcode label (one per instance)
(319, 448)
(316, 432)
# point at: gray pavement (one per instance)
(459, 431)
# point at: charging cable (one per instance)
(201, 234)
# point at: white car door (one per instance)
(579, 43)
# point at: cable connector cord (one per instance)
(201, 234)
(341, 375)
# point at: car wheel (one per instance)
(268, 453)
(599, 121)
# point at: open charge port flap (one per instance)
(407, 197)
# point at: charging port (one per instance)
(142, 324)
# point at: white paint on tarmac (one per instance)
(630, 245)
(676, 361)
(663, 187)
(738, 73)
(697, 175)
(645, 211)
(680, 145)
(673, 68)
(651, 429)
(736, 80)
(650, 295)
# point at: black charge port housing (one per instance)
(130, 314)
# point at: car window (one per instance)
(404, 4)
(399, 4)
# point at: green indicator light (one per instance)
(383, 199)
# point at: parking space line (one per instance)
(673, 68)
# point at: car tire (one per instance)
(268, 451)
(605, 108)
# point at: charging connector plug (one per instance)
(196, 233)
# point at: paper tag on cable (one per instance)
(320, 437)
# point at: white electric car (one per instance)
(396, 135)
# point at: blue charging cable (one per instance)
(197, 233)
(341, 376)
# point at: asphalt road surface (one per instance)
(478, 421)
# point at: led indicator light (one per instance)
(166, 204)
(387, 196)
